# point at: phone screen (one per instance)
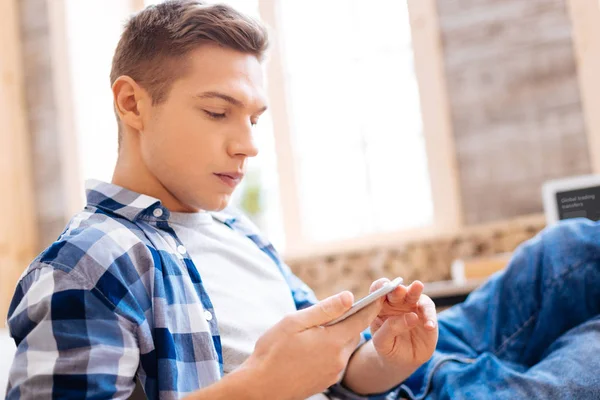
(365, 301)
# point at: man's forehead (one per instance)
(226, 71)
(215, 60)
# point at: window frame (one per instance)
(435, 109)
(437, 131)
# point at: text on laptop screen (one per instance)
(579, 203)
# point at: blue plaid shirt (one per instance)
(117, 297)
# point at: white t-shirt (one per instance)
(248, 292)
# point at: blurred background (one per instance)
(404, 137)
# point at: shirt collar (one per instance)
(118, 200)
(131, 205)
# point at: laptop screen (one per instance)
(579, 203)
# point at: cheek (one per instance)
(174, 125)
(184, 143)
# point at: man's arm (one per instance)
(367, 372)
(243, 383)
(70, 342)
(405, 335)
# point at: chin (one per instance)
(217, 204)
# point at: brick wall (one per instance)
(427, 260)
(515, 104)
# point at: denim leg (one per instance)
(551, 285)
(569, 369)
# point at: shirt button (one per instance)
(181, 249)
(158, 212)
(207, 315)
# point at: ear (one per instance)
(130, 102)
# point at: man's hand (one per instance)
(299, 357)
(405, 332)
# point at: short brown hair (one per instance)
(156, 39)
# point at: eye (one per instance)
(215, 115)
(254, 121)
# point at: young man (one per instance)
(158, 281)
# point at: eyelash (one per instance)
(219, 116)
(215, 115)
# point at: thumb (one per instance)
(325, 310)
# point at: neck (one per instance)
(132, 173)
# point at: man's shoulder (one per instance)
(97, 253)
(94, 243)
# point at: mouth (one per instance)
(231, 179)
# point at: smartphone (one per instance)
(365, 301)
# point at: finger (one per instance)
(358, 322)
(397, 295)
(392, 327)
(402, 323)
(414, 292)
(324, 311)
(378, 284)
(427, 312)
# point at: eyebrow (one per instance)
(227, 98)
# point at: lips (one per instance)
(231, 179)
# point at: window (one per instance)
(350, 101)
(357, 135)
(93, 29)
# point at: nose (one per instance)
(243, 143)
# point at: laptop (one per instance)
(572, 197)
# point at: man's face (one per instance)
(197, 142)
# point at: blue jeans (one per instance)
(531, 332)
